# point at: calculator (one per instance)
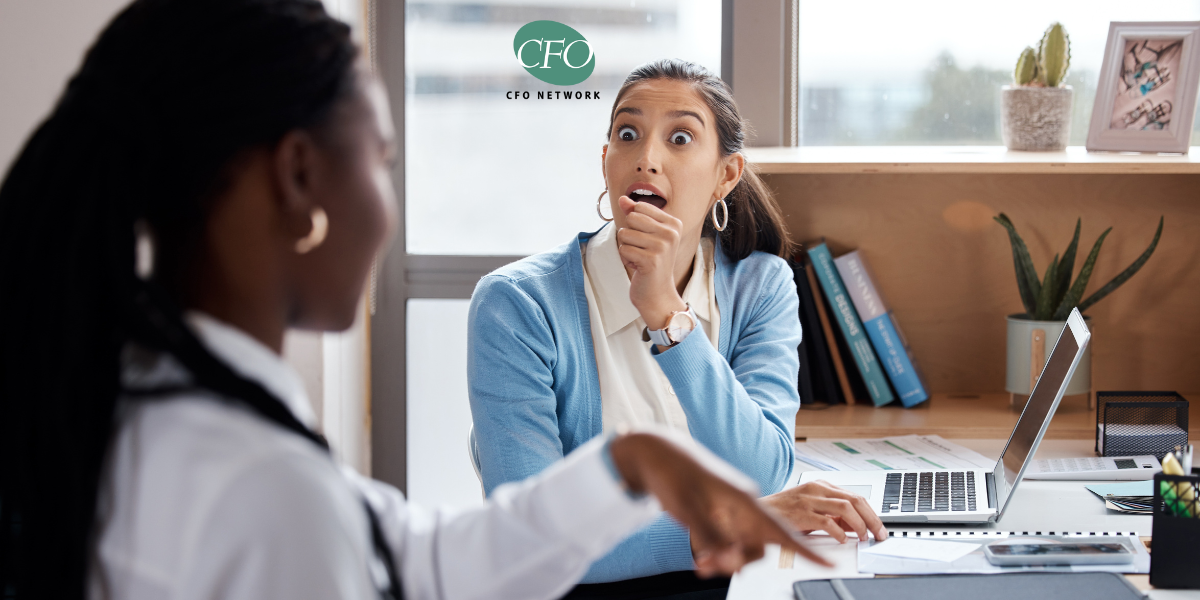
(1095, 468)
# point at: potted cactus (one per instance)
(1048, 301)
(1035, 112)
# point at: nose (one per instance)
(648, 160)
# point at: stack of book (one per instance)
(853, 349)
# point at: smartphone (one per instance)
(1045, 552)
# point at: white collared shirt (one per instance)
(201, 498)
(634, 391)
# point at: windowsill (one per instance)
(963, 159)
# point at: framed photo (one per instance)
(1146, 96)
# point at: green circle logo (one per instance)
(554, 53)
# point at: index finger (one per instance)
(647, 209)
(872, 520)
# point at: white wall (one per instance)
(42, 43)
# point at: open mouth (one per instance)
(644, 195)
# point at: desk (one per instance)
(1037, 506)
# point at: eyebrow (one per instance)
(674, 114)
(686, 113)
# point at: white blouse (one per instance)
(634, 391)
(203, 499)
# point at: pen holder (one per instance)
(1135, 423)
(1175, 532)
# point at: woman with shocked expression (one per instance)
(680, 312)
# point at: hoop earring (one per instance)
(598, 206)
(725, 210)
(316, 237)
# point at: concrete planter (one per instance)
(1029, 340)
(1035, 119)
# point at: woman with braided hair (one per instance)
(215, 173)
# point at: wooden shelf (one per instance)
(963, 159)
(983, 416)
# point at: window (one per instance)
(916, 73)
(486, 174)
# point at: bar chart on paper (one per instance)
(896, 453)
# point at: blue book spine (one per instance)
(881, 327)
(852, 328)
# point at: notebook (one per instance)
(1093, 586)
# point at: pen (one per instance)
(1179, 497)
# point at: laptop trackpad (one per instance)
(861, 490)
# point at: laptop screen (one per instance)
(1041, 405)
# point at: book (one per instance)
(816, 370)
(882, 329)
(850, 326)
(804, 383)
(836, 350)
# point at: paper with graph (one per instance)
(896, 453)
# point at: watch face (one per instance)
(679, 324)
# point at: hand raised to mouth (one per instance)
(648, 245)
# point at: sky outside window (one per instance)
(929, 72)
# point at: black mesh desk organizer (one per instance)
(1135, 423)
(1175, 535)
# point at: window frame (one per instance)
(761, 67)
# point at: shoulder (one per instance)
(758, 275)
(543, 264)
(539, 282)
(196, 481)
(208, 448)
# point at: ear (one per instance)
(297, 166)
(730, 174)
(603, 159)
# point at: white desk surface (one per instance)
(1037, 506)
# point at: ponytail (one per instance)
(755, 220)
(165, 100)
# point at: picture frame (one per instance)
(1146, 95)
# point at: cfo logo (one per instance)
(554, 53)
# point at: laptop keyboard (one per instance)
(930, 491)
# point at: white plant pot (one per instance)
(1035, 119)
(1028, 339)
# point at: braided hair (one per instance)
(145, 133)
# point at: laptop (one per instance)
(977, 495)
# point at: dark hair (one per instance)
(755, 221)
(165, 101)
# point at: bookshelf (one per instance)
(921, 218)
(972, 416)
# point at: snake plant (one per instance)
(1053, 296)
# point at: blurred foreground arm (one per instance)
(729, 527)
(536, 539)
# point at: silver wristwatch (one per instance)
(679, 325)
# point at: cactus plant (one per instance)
(1054, 55)
(1047, 67)
(1027, 67)
(1053, 297)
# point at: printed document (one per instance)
(896, 453)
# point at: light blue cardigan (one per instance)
(535, 391)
